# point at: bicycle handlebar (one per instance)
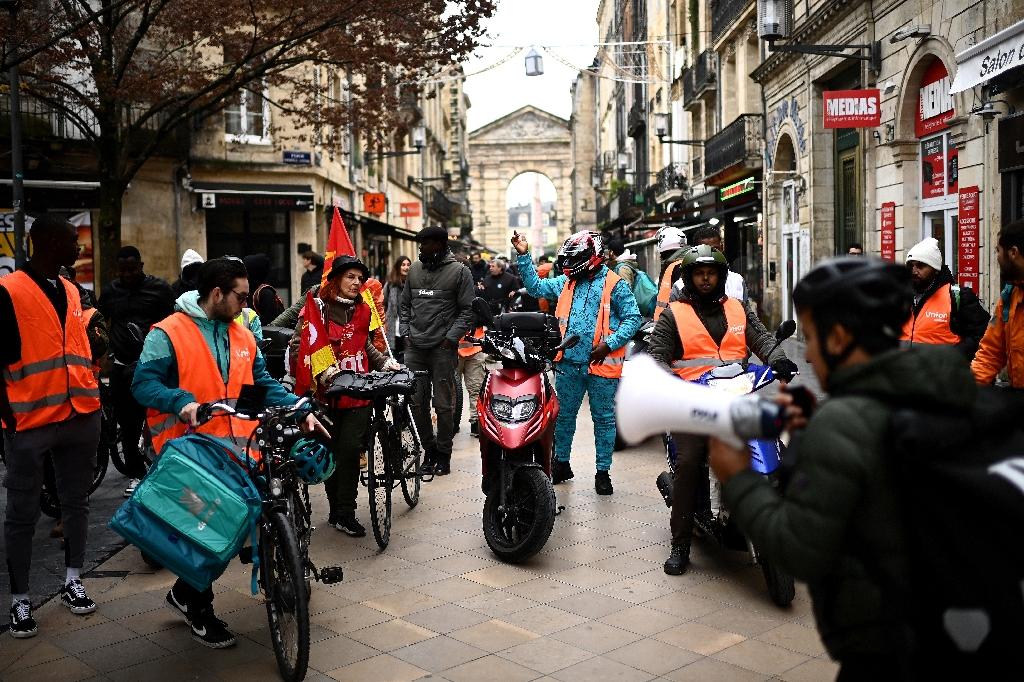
(222, 408)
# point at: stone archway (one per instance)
(528, 139)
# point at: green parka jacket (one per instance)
(837, 524)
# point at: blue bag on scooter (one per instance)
(194, 509)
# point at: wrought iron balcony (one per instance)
(739, 143)
(441, 206)
(724, 14)
(671, 183)
(40, 120)
(700, 78)
(637, 120)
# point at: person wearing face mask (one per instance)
(705, 328)
(199, 354)
(596, 305)
(346, 317)
(436, 312)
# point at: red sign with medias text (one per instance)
(967, 228)
(887, 240)
(852, 108)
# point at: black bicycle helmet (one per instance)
(870, 297)
(697, 256)
(580, 256)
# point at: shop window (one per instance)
(245, 232)
(247, 117)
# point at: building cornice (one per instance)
(810, 29)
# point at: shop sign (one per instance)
(1011, 143)
(737, 188)
(374, 203)
(298, 158)
(967, 229)
(989, 58)
(888, 231)
(939, 168)
(934, 101)
(409, 209)
(852, 108)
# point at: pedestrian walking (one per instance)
(393, 288)
(133, 298)
(498, 287)
(190, 262)
(313, 270)
(943, 313)
(436, 312)
(1002, 346)
(596, 305)
(49, 403)
(478, 267)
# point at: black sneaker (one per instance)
(438, 466)
(678, 560)
(560, 471)
(474, 429)
(350, 526)
(211, 631)
(23, 625)
(603, 483)
(73, 596)
(175, 604)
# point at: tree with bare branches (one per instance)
(133, 75)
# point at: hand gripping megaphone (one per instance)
(651, 400)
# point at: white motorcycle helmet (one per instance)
(670, 239)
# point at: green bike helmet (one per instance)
(703, 254)
(313, 459)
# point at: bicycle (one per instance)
(394, 448)
(285, 529)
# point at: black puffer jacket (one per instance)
(968, 320)
(436, 303)
(145, 305)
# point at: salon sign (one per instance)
(990, 58)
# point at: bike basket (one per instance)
(372, 385)
(193, 511)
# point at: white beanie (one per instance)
(926, 251)
(670, 239)
(190, 257)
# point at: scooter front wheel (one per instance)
(781, 587)
(518, 529)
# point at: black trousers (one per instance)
(441, 364)
(691, 451)
(130, 417)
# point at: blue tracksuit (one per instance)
(574, 379)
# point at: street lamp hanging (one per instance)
(534, 63)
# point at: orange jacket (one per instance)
(544, 271)
(665, 289)
(53, 380)
(611, 366)
(199, 375)
(931, 324)
(467, 349)
(700, 352)
(1003, 343)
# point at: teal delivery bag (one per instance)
(194, 509)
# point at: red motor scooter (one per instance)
(516, 409)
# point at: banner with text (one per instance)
(887, 241)
(852, 108)
(967, 224)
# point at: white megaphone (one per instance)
(651, 400)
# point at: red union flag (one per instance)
(852, 108)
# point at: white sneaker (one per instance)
(133, 483)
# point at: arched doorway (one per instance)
(531, 200)
(794, 241)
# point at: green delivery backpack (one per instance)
(194, 509)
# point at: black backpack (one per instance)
(961, 483)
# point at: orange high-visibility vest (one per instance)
(199, 375)
(665, 289)
(544, 271)
(700, 352)
(611, 366)
(467, 349)
(53, 380)
(932, 323)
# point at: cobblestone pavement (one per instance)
(594, 604)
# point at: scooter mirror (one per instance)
(785, 330)
(482, 310)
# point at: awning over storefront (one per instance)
(374, 226)
(50, 195)
(244, 195)
(989, 58)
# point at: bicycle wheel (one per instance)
(379, 482)
(411, 455)
(281, 575)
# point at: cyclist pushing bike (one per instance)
(345, 318)
(197, 355)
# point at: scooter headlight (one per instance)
(514, 410)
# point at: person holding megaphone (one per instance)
(703, 329)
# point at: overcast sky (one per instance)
(569, 24)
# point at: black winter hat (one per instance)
(343, 263)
